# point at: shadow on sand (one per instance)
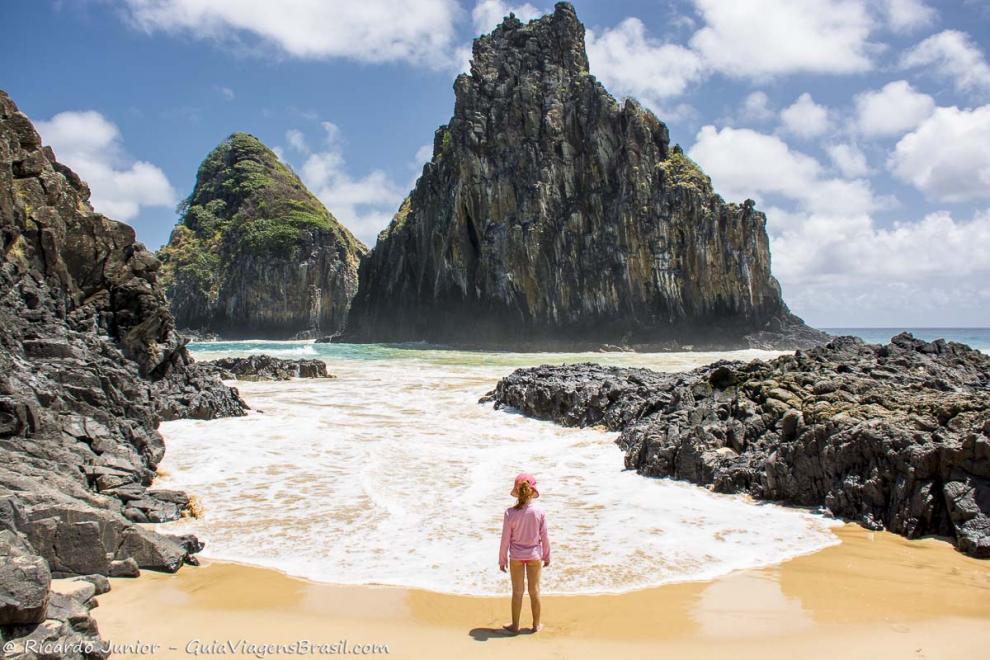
(485, 634)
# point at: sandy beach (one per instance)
(875, 595)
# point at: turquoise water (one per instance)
(978, 338)
(410, 354)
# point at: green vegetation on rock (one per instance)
(244, 188)
(682, 171)
(247, 207)
(195, 261)
(399, 219)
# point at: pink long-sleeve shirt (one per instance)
(524, 535)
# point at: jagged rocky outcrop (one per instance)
(255, 254)
(46, 622)
(90, 363)
(266, 367)
(552, 215)
(893, 436)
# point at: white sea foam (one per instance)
(281, 349)
(392, 473)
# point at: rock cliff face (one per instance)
(551, 214)
(894, 436)
(255, 253)
(90, 363)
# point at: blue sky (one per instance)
(861, 128)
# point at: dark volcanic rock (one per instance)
(552, 215)
(192, 392)
(266, 367)
(255, 253)
(894, 436)
(24, 582)
(66, 629)
(90, 363)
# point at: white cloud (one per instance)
(297, 140)
(746, 163)
(630, 63)
(836, 264)
(92, 146)
(763, 38)
(948, 156)
(462, 59)
(489, 13)
(423, 155)
(226, 92)
(419, 31)
(892, 110)
(848, 159)
(364, 205)
(952, 55)
(757, 39)
(907, 15)
(756, 107)
(845, 270)
(805, 117)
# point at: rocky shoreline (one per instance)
(893, 436)
(90, 364)
(266, 367)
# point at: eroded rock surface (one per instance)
(893, 436)
(553, 216)
(90, 363)
(64, 629)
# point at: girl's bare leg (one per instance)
(533, 585)
(517, 572)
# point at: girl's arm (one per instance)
(545, 539)
(503, 551)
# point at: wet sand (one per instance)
(875, 595)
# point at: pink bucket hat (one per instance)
(521, 477)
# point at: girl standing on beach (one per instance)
(525, 545)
